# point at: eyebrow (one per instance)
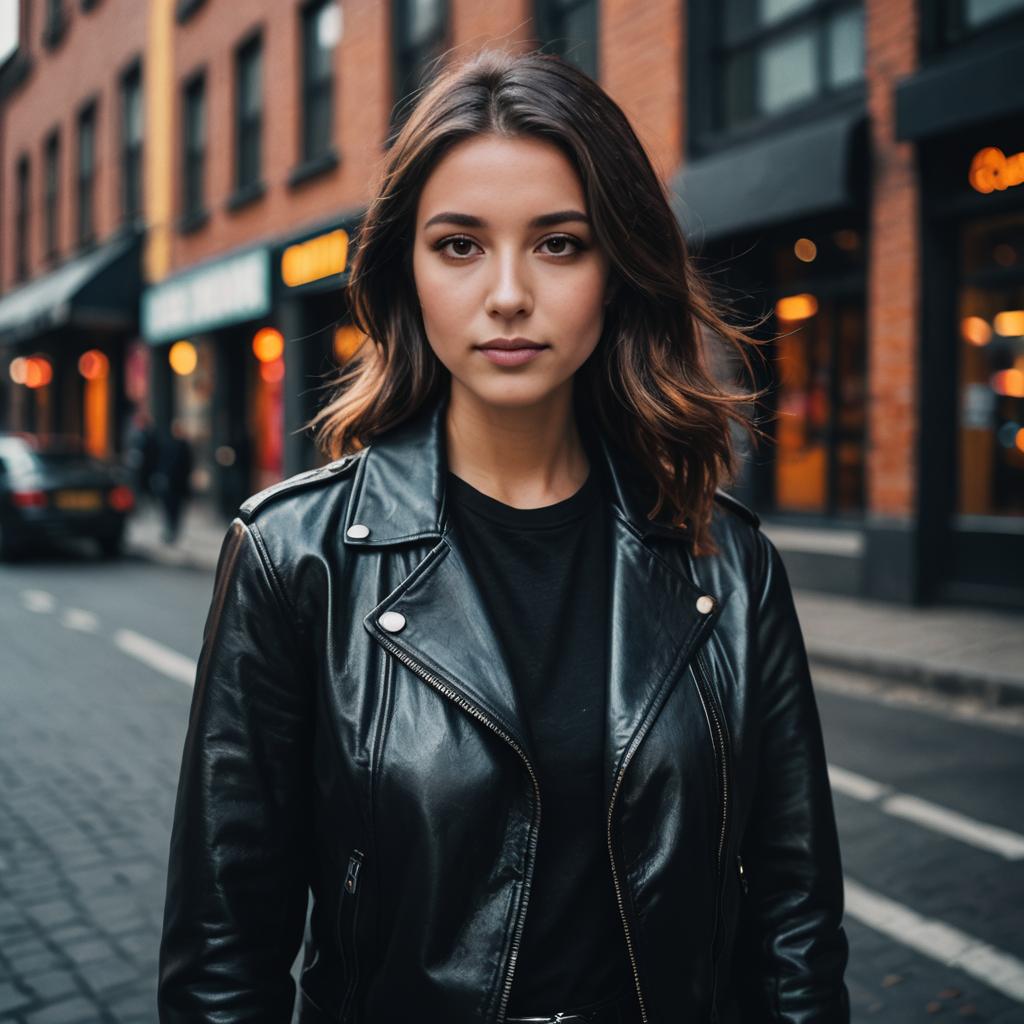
(466, 220)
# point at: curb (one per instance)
(995, 689)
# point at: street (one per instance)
(95, 689)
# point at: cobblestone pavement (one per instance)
(90, 742)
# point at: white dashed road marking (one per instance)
(991, 838)
(936, 940)
(156, 656)
(40, 601)
(80, 619)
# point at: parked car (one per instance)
(51, 488)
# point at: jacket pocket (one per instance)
(348, 906)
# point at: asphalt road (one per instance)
(95, 663)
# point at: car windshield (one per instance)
(21, 457)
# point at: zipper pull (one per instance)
(355, 862)
(743, 877)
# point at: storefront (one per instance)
(971, 160)
(783, 222)
(64, 338)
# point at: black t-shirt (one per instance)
(543, 573)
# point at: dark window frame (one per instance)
(412, 61)
(314, 89)
(131, 149)
(85, 174)
(944, 28)
(248, 126)
(22, 216)
(548, 18)
(708, 53)
(193, 153)
(55, 23)
(51, 194)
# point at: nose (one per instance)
(510, 293)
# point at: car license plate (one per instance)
(78, 501)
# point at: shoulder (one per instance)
(734, 505)
(298, 489)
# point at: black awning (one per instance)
(99, 289)
(806, 170)
(965, 89)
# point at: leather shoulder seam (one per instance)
(301, 481)
(735, 505)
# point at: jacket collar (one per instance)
(400, 484)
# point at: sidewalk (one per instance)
(950, 649)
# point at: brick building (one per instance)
(849, 167)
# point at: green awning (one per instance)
(98, 290)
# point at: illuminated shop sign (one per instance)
(993, 171)
(229, 291)
(313, 260)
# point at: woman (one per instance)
(510, 685)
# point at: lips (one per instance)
(510, 344)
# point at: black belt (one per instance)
(616, 1010)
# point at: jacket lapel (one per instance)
(654, 621)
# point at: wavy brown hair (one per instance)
(648, 383)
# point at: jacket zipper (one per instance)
(454, 695)
(348, 895)
(703, 690)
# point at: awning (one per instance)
(965, 89)
(806, 170)
(99, 289)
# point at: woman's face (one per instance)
(504, 249)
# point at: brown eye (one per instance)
(560, 242)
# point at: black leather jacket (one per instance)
(354, 729)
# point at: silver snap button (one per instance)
(392, 621)
(358, 531)
(705, 603)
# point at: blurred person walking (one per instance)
(511, 685)
(173, 478)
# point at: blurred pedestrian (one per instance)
(142, 451)
(518, 585)
(173, 478)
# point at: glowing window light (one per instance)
(183, 358)
(993, 171)
(347, 340)
(93, 365)
(1020, 439)
(268, 344)
(1009, 383)
(18, 369)
(796, 307)
(315, 259)
(975, 330)
(272, 372)
(805, 250)
(38, 372)
(1009, 323)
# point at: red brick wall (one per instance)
(894, 266)
(362, 100)
(97, 46)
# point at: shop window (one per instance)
(776, 55)
(321, 30)
(51, 194)
(819, 362)
(950, 22)
(248, 114)
(420, 33)
(86, 174)
(991, 367)
(570, 29)
(21, 219)
(194, 152)
(131, 144)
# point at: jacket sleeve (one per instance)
(793, 940)
(237, 881)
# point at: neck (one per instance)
(524, 456)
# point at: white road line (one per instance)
(80, 619)
(936, 939)
(157, 656)
(991, 838)
(40, 601)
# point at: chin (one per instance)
(512, 393)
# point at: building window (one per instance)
(569, 28)
(21, 223)
(954, 21)
(55, 24)
(321, 29)
(775, 55)
(131, 144)
(86, 174)
(419, 37)
(51, 194)
(248, 115)
(194, 150)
